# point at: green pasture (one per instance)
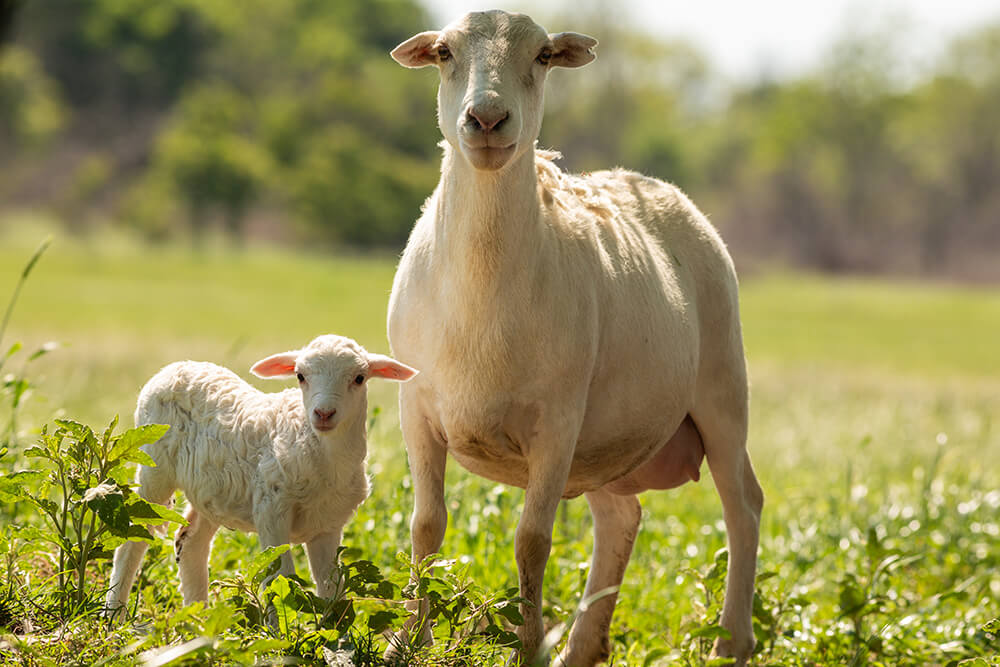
(875, 433)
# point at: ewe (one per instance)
(575, 334)
(289, 465)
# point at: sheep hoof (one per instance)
(730, 648)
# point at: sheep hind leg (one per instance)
(724, 434)
(616, 524)
(192, 546)
(156, 487)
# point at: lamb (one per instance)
(575, 334)
(288, 465)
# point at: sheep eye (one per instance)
(359, 379)
(544, 57)
(300, 377)
(444, 53)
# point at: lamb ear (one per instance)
(571, 49)
(417, 51)
(385, 367)
(276, 366)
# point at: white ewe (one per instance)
(288, 465)
(576, 334)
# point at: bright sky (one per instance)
(745, 37)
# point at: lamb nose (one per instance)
(487, 119)
(323, 415)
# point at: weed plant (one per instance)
(880, 540)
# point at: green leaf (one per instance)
(262, 563)
(339, 615)
(140, 532)
(20, 386)
(112, 512)
(380, 621)
(42, 247)
(851, 599)
(15, 486)
(39, 452)
(36, 535)
(110, 429)
(12, 350)
(262, 646)
(44, 349)
(144, 512)
(175, 654)
(367, 571)
(509, 611)
(653, 656)
(711, 632)
(503, 637)
(128, 444)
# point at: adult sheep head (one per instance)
(493, 66)
(332, 372)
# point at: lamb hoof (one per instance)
(401, 646)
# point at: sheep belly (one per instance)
(674, 464)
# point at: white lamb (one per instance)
(575, 334)
(288, 465)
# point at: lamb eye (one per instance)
(544, 57)
(359, 379)
(444, 53)
(300, 377)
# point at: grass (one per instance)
(874, 432)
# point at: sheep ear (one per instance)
(276, 366)
(385, 367)
(571, 49)
(417, 51)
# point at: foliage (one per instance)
(31, 112)
(874, 404)
(17, 386)
(82, 495)
(290, 120)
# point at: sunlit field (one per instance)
(875, 431)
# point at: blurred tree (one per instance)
(8, 9)
(211, 159)
(950, 136)
(31, 112)
(123, 54)
(214, 109)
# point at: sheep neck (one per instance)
(488, 222)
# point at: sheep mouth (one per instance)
(489, 157)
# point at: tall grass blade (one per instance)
(17, 288)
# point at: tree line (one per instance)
(289, 120)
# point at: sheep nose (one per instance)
(486, 118)
(324, 415)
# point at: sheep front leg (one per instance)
(192, 546)
(274, 528)
(533, 542)
(616, 523)
(322, 553)
(428, 458)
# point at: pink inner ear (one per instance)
(276, 366)
(390, 369)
